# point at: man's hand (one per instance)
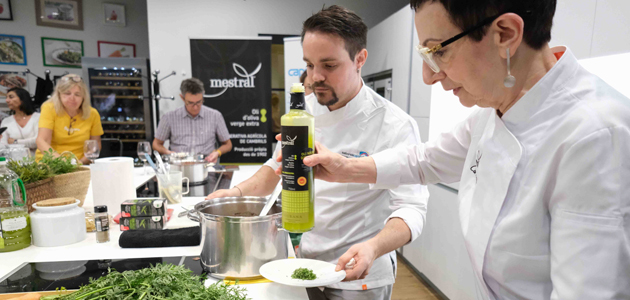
(9, 140)
(233, 192)
(364, 255)
(212, 157)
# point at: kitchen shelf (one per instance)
(116, 78)
(119, 97)
(124, 131)
(111, 87)
(122, 123)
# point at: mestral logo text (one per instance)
(245, 82)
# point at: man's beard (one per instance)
(320, 96)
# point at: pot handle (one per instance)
(187, 185)
(193, 215)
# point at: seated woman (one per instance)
(22, 126)
(68, 120)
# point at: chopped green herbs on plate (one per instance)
(304, 274)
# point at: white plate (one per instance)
(280, 271)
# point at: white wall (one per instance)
(389, 47)
(24, 24)
(592, 28)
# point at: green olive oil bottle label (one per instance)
(298, 128)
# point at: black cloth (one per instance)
(190, 236)
(43, 89)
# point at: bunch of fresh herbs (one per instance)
(30, 170)
(62, 164)
(163, 281)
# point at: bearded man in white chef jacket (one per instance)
(543, 164)
(354, 121)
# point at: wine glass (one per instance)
(91, 150)
(144, 148)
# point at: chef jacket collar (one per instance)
(553, 82)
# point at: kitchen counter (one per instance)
(88, 249)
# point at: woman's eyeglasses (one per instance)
(73, 77)
(427, 53)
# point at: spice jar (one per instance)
(102, 223)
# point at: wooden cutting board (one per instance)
(44, 293)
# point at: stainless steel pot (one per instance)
(237, 241)
(194, 170)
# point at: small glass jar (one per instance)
(101, 219)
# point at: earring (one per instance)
(509, 80)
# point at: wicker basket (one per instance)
(74, 184)
(38, 191)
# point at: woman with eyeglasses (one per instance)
(543, 164)
(68, 120)
(22, 124)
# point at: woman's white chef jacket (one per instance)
(544, 198)
(351, 213)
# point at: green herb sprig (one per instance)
(62, 164)
(304, 274)
(162, 281)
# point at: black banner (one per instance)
(237, 79)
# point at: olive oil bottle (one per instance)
(15, 223)
(298, 133)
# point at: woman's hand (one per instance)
(327, 165)
(84, 160)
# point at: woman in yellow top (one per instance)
(67, 119)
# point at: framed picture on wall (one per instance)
(62, 53)
(5, 10)
(11, 79)
(114, 14)
(66, 14)
(12, 50)
(114, 49)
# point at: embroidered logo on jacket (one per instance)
(474, 167)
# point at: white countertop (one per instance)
(88, 249)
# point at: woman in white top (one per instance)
(22, 126)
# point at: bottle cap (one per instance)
(297, 88)
(100, 209)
